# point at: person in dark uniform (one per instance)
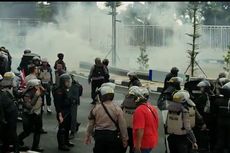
(8, 121)
(63, 104)
(60, 61)
(222, 103)
(32, 120)
(173, 73)
(105, 62)
(133, 80)
(25, 62)
(75, 93)
(96, 77)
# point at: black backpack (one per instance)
(98, 71)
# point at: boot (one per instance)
(70, 144)
(36, 140)
(61, 141)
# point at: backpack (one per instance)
(98, 71)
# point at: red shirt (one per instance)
(144, 119)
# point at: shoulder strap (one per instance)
(154, 115)
(107, 112)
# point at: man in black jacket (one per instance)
(62, 103)
(173, 73)
(96, 77)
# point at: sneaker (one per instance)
(49, 111)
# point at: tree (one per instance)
(143, 59)
(44, 11)
(227, 60)
(194, 7)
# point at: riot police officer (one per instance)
(179, 123)
(63, 104)
(173, 73)
(32, 121)
(9, 112)
(222, 104)
(133, 80)
(128, 106)
(107, 119)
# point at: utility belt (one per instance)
(105, 135)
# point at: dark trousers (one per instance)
(9, 133)
(47, 94)
(74, 118)
(95, 84)
(63, 129)
(223, 136)
(31, 123)
(178, 144)
(107, 142)
(130, 141)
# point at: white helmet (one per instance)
(33, 82)
(223, 81)
(183, 96)
(109, 84)
(8, 79)
(106, 90)
(141, 93)
(204, 83)
(131, 74)
(176, 80)
(44, 60)
(135, 90)
(36, 58)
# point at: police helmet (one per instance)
(44, 60)
(141, 93)
(33, 82)
(223, 81)
(27, 51)
(222, 75)
(60, 55)
(225, 90)
(174, 70)
(63, 78)
(145, 92)
(131, 74)
(106, 92)
(204, 83)
(110, 84)
(182, 96)
(36, 58)
(176, 80)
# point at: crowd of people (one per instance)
(33, 89)
(196, 112)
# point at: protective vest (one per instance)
(45, 76)
(129, 107)
(174, 123)
(224, 107)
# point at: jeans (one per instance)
(146, 150)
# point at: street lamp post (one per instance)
(114, 34)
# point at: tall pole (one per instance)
(114, 34)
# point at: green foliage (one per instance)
(143, 59)
(44, 12)
(227, 60)
(111, 4)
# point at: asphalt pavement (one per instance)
(49, 141)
